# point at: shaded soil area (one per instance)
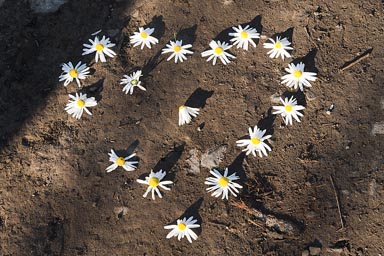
(320, 188)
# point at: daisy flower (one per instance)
(218, 50)
(256, 142)
(121, 161)
(183, 228)
(297, 77)
(143, 37)
(221, 184)
(101, 47)
(178, 50)
(77, 104)
(279, 47)
(154, 181)
(243, 36)
(289, 110)
(131, 81)
(70, 72)
(186, 114)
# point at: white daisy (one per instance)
(131, 81)
(297, 77)
(154, 181)
(80, 71)
(289, 110)
(183, 228)
(221, 184)
(79, 103)
(279, 47)
(186, 114)
(101, 47)
(243, 36)
(121, 161)
(218, 50)
(178, 50)
(143, 37)
(256, 142)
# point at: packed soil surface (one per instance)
(319, 191)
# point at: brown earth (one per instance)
(57, 199)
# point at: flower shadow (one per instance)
(298, 95)
(287, 33)
(129, 150)
(193, 211)
(198, 98)
(158, 24)
(94, 90)
(254, 23)
(237, 166)
(267, 122)
(188, 35)
(150, 64)
(308, 60)
(168, 162)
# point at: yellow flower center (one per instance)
(153, 182)
(218, 50)
(134, 82)
(181, 107)
(288, 108)
(144, 35)
(73, 73)
(120, 161)
(297, 73)
(255, 141)
(99, 47)
(244, 34)
(80, 103)
(176, 48)
(181, 226)
(277, 45)
(223, 182)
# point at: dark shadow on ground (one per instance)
(193, 211)
(308, 60)
(287, 33)
(188, 35)
(158, 24)
(169, 161)
(198, 98)
(254, 23)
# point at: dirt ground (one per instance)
(320, 187)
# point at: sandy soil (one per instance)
(320, 187)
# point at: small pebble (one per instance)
(314, 250)
(330, 109)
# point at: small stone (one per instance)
(314, 250)
(378, 128)
(213, 157)
(372, 188)
(305, 253)
(135, 14)
(193, 162)
(46, 6)
(120, 211)
(275, 98)
(310, 95)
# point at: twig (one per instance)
(337, 201)
(356, 60)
